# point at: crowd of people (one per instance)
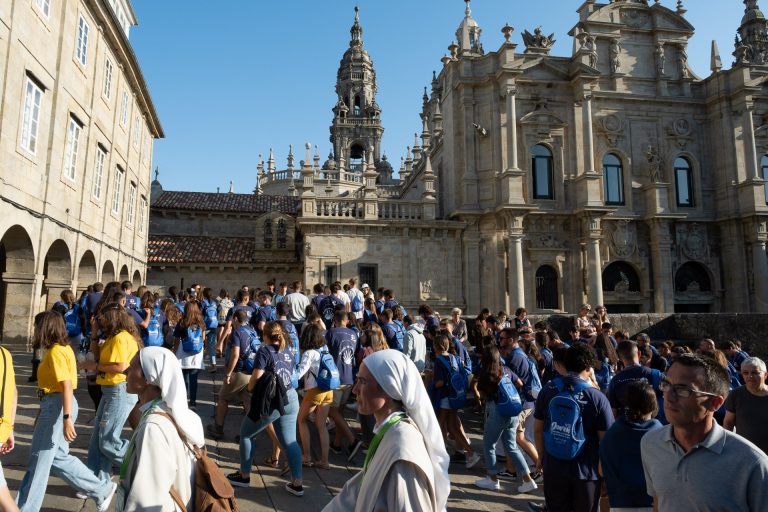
(595, 418)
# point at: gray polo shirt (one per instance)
(724, 472)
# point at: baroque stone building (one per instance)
(613, 176)
(77, 125)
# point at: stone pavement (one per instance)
(266, 492)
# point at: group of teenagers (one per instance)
(578, 410)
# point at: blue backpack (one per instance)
(192, 343)
(357, 303)
(249, 356)
(210, 315)
(532, 384)
(328, 309)
(508, 403)
(328, 375)
(564, 428)
(268, 314)
(72, 320)
(154, 335)
(457, 382)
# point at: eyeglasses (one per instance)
(681, 390)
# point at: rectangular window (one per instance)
(614, 188)
(116, 190)
(33, 98)
(44, 6)
(124, 110)
(368, 275)
(684, 187)
(142, 213)
(131, 202)
(70, 156)
(542, 178)
(330, 273)
(98, 172)
(81, 46)
(107, 78)
(136, 131)
(145, 150)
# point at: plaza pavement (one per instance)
(266, 492)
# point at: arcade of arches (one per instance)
(31, 282)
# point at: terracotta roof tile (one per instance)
(200, 249)
(217, 202)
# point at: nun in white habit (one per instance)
(157, 459)
(406, 468)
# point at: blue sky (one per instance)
(232, 78)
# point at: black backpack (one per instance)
(269, 394)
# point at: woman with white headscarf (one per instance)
(157, 458)
(406, 468)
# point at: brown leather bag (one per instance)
(213, 492)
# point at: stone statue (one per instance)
(615, 51)
(538, 39)
(591, 48)
(660, 58)
(654, 164)
(683, 61)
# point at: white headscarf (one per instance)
(162, 369)
(399, 378)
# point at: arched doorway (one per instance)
(57, 270)
(86, 271)
(136, 279)
(17, 284)
(107, 272)
(547, 295)
(621, 288)
(124, 276)
(693, 289)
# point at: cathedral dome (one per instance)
(383, 166)
(330, 164)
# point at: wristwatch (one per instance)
(66, 416)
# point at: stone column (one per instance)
(595, 272)
(472, 271)
(750, 152)
(516, 276)
(760, 270)
(22, 292)
(663, 278)
(589, 142)
(512, 163)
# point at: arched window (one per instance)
(620, 277)
(268, 234)
(613, 174)
(692, 277)
(281, 234)
(684, 183)
(546, 288)
(764, 175)
(356, 158)
(356, 108)
(543, 179)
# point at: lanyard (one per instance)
(378, 437)
(131, 445)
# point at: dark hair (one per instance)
(408, 320)
(559, 353)
(442, 342)
(241, 316)
(266, 294)
(541, 325)
(387, 314)
(173, 291)
(242, 296)
(639, 400)
(339, 316)
(114, 318)
(171, 312)
(192, 316)
(67, 297)
(223, 293)
(207, 294)
(311, 338)
(425, 309)
(490, 364)
(626, 349)
(98, 287)
(520, 311)
(276, 334)
(542, 339)
(126, 285)
(715, 379)
(579, 358)
(606, 347)
(282, 309)
(147, 300)
(51, 330)
(318, 288)
(397, 313)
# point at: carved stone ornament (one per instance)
(624, 239)
(426, 289)
(635, 18)
(613, 124)
(622, 286)
(537, 39)
(655, 164)
(695, 245)
(681, 127)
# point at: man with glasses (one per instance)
(693, 463)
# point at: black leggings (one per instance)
(190, 381)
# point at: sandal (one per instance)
(273, 463)
(321, 466)
(307, 463)
(286, 469)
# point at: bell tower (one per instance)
(356, 127)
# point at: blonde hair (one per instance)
(275, 333)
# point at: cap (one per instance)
(365, 285)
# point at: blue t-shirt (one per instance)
(248, 309)
(596, 416)
(442, 373)
(91, 301)
(341, 345)
(241, 339)
(283, 362)
(137, 318)
(627, 375)
(622, 465)
(132, 302)
(393, 336)
(264, 314)
(518, 362)
(294, 338)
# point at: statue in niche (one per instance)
(683, 61)
(623, 285)
(660, 58)
(615, 51)
(654, 164)
(591, 48)
(426, 288)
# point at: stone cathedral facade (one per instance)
(612, 176)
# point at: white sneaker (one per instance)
(472, 460)
(527, 487)
(108, 500)
(488, 483)
(81, 496)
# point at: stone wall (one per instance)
(750, 328)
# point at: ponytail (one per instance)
(276, 334)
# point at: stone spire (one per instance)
(468, 34)
(271, 162)
(752, 39)
(715, 63)
(290, 157)
(356, 31)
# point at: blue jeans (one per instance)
(285, 428)
(497, 426)
(211, 337)
(49, 454)
(107, 448)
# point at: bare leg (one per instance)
(321, 414)
(6, 502)
(527, 446)
(304, 411)
(342, 429)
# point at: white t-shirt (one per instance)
(352, 293)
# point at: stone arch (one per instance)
(17, 284)
(136, 279)
(108, 272)
(692, 277)
(124, 275)
(547, 293)
(621, 277)
(87, 272)
(57, 272)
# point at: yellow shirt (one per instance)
(120, 348)
(7, 374)
(58, 364)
